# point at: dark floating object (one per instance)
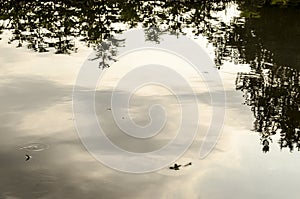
(188, 164)
(27, 157)
(108, 109)
(175, 167)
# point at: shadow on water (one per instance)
(266, 36)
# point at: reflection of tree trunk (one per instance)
(59, 43)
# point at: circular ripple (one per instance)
(35, 147)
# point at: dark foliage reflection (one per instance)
(45, 24)
(269, 40)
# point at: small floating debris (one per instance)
(175, 167)
(35, 147)
(108, 109)
(188, 164)
(27, 157)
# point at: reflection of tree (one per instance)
(274, 98)
(40, 24)
(153, 34)
(46, 24)
(269, 42)
(107, 51)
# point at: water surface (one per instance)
(255, 47)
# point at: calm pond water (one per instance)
(255, 46)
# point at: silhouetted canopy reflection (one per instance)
(269, 40)
(46, 24)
